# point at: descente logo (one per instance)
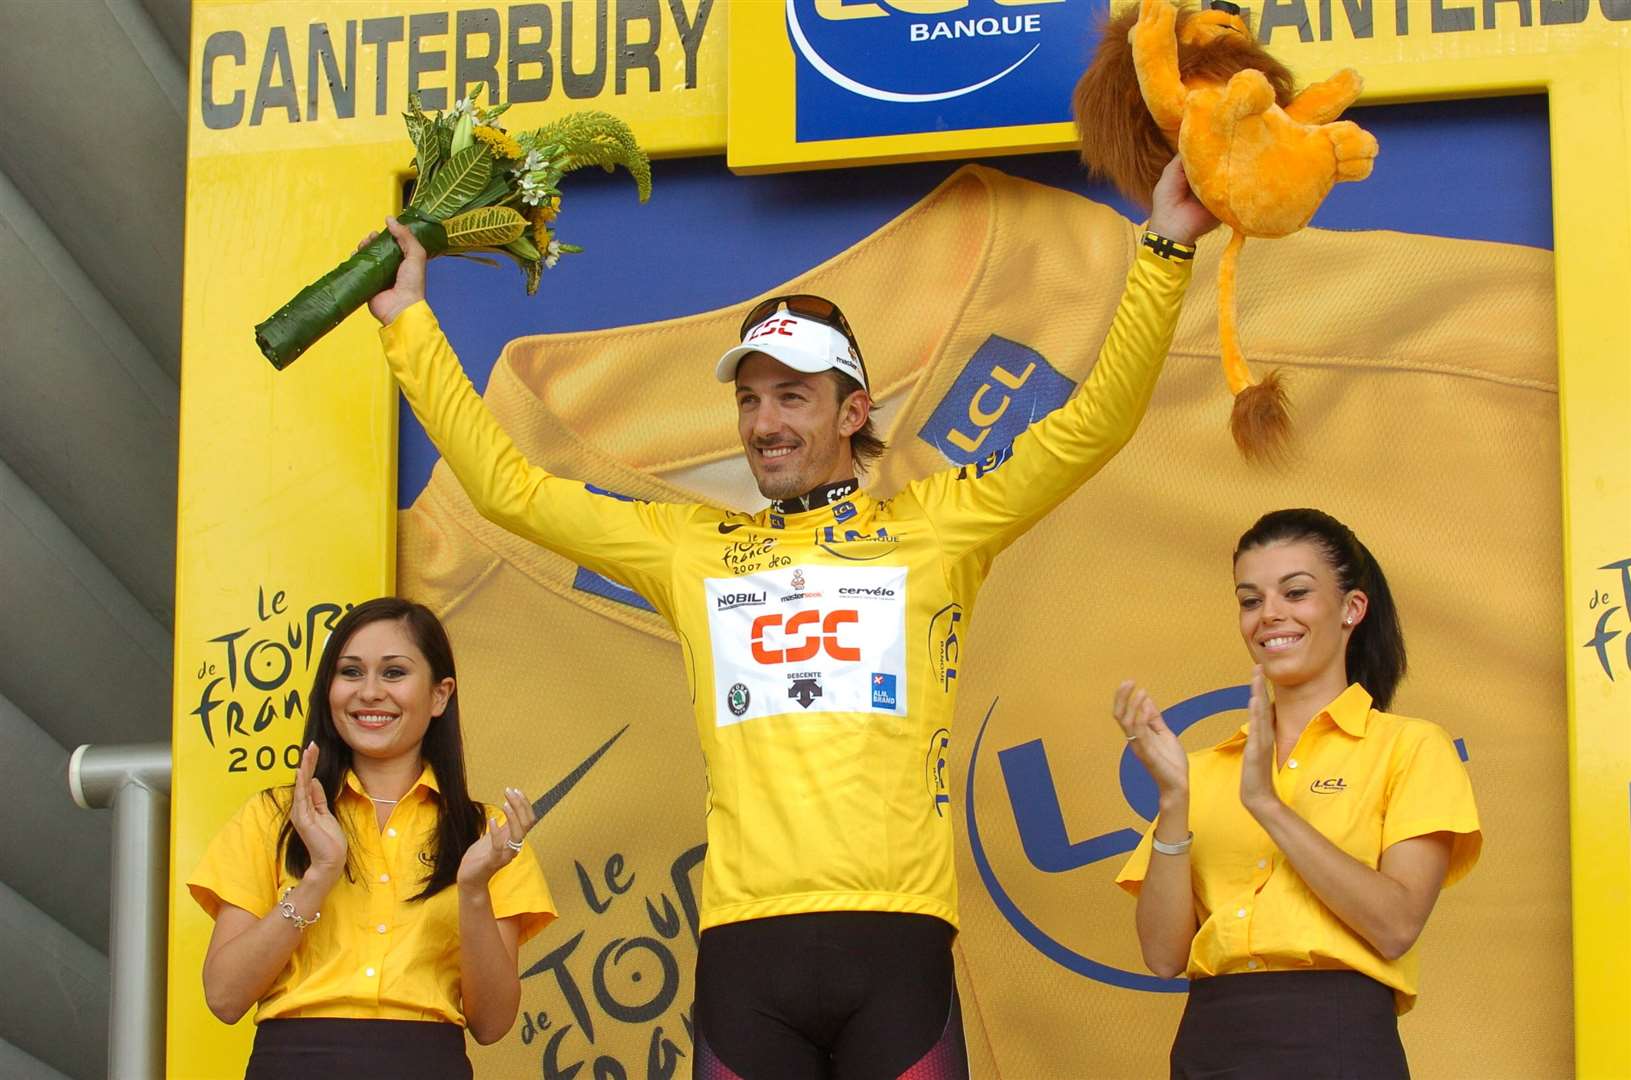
(855, 44)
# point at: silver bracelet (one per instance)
(1173, 849)
(287, 910)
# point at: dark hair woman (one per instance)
(331, 898)
(1293, 865)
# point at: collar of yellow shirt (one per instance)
(1350, 711)
(427, 779)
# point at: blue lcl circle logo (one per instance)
(833, 37)
(878, 67)
(1034, 800)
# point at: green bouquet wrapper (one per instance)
(325, 303)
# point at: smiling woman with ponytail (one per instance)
(1292, 866)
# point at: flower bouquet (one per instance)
(480, 191)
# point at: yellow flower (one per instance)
(540, 230)
(501, 144)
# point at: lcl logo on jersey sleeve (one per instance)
(808, 639)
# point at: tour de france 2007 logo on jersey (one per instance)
(1003, 389)
(1040, 887)
(807, 640)
(891, 67)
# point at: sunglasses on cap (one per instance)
(805, 305)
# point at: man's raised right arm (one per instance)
(623, 539)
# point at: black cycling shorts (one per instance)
(838, 995)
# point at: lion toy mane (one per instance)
(1259, 155)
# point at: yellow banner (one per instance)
(301, 75)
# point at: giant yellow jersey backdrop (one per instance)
(1432, 351)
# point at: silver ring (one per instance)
(513, 845)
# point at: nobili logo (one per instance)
(878, 67)
(1031, 797)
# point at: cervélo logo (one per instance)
(891, 67)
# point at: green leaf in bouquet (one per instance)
(463, 178)
(498, 190)
(523, 248)
(427, 149)
(462, 137)
(489, 226)
(598, 138)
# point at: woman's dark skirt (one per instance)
(1289, 1025)
(399, 1049)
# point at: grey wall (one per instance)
(92, 171)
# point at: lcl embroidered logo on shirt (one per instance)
(1334, 786)
(1003, 388)
(814, 647)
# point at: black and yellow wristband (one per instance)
(1170, 250)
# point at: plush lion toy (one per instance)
(1259, 156)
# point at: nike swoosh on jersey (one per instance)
(551, 798)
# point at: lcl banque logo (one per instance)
(1032, 797)
(880, 49)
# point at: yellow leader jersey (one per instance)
(821, 648)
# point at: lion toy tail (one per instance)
(1261, 419)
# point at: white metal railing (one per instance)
(134, 780)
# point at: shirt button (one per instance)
(368, 972)
(1262, 864)
(390, 832)
(385, 877)
(381, 928)
(1253, 965)
(1291, 764)
(1240, 913)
